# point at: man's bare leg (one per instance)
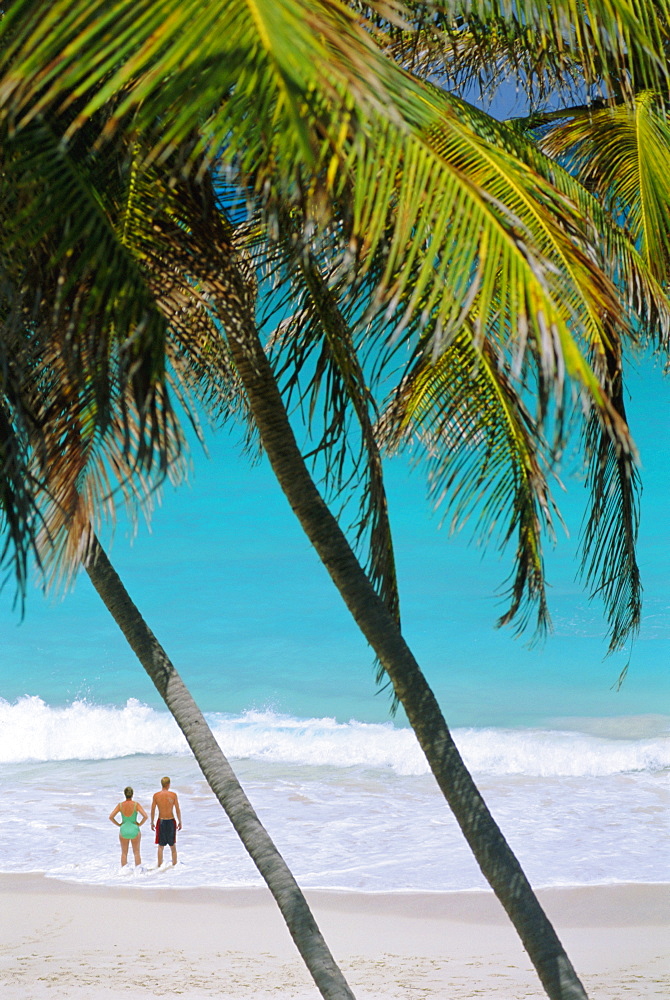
(174, 854)
(160, 856)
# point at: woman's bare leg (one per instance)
(124, 850)
(136, 848)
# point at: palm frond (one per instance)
(486, 457)
(609, 535)
(446, 223)
(82, 481)
(642, 295)
(317, 356)
(191, 66)
(155, 223)
(611, 457)
(467, 55)
(95, 415)
(621, 155)
(19, 512)
(92, 300)
(448, 178)
(437, 227)
(422, 268)
(614, 46)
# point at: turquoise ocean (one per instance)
(575, 771)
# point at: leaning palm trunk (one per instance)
(494, 856)
(220, 777)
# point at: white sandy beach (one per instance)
(60, 939)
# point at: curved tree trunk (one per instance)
(220, 777)
(494, 856)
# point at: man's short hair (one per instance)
(165, 782)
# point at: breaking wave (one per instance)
(31, 730)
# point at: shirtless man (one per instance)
(167, 804)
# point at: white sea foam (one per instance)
(350, 805)
(31, 730)
(339, 828)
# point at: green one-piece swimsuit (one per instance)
(129, 826)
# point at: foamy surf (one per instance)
(31, 730)
(350, 805)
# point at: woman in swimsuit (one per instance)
(129, 828)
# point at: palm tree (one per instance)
(381, 629)
(389, 202)
(220, 776)
(221, 275)
(75, 463)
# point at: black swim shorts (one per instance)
(166, 832)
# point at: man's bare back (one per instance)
(165, 803)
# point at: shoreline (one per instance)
(65, 939)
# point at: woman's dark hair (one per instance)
(128, 792)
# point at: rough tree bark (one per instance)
(492, 852)
(220, 777)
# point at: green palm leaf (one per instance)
(190, 66)
(405, 283)
(94, 302)
(426, 187)
(617, 46)
(485, 457)
(642, 295)
(621, 154)
(81, 446)
(317, 357)
(19, 513)
(608, 539)
(447, 222)
(609, 534)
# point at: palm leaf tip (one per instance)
(609, 534)
(609, 564)
(484, 454)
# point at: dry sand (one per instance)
(60, 939)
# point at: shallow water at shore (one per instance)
(349, 806)
(574, 770)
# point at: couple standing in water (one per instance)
(163, 806)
